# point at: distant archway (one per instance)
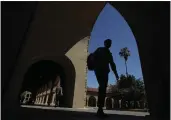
(108, 103)
(92, 101)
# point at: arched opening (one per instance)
(110, 24)
(116, 104)
(108, 103)
(41, 80)
(92, 101)
(138, 23)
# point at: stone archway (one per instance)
(67, 76)
(40, 73)
(109, 103)
(142, 21)
(92, 101)
(69, 71)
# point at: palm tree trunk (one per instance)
(126, 69)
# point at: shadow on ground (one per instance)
(44, 114)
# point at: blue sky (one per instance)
(110, 24)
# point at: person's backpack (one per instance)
(91, 62)
(91, 59)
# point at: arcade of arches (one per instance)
(47, 96)
(110, 101)
(57, 33)
(42, 79)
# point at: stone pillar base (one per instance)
(52, 104)
(46, 104)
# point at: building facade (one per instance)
(111, 102)
(46, 97)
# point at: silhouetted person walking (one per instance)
(99, 62)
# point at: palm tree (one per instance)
(125, 53)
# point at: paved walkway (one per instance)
(50, 113)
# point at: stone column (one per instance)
(120, 103)
(105, 102)
(87, 102)
(39, 99)
(38, 102)
(112, 103)
(43, 99)
(96, 102)
(52, 103)
(144, 105)
(35, 100)
(47, 97)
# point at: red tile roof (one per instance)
(92, 89)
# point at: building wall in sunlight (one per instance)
(78, 55)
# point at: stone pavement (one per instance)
(90, 110)
(52, 113)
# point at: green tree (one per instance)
(125, 53)
(114, 88)
(129, 89)
(126, 81)
(139, 84)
